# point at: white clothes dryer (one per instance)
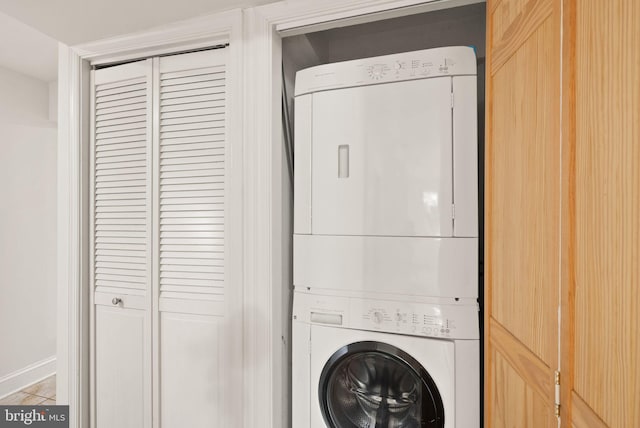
(367, 363)
(386, 187)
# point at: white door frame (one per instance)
(267, 392)
(73, 303)
(265, 247)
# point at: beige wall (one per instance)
(27, 231)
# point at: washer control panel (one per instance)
(419, 319)
(438, 62)
(448, 321)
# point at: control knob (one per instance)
(377, 71)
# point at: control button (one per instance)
(427, 330)
(377, 317)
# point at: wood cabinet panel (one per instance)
(513, 29)
(515, 404)
(505, 12)
(523, 191)
(607, 294)
(582, 416)
(538, 375)
(524, 186)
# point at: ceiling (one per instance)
(27, 51)
(79, 21)
(30, 29)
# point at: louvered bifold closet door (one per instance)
(190, 188)
(121, 242)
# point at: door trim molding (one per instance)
(179, 36)
(73, 182)
(73, 310)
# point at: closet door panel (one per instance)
(190, 189)
(122, 379)
(121, 246)
(190, 370)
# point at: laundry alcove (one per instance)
(321, 125)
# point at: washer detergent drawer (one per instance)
(381, 160)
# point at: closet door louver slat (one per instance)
(121, 181)
(191, 162)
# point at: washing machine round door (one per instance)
(376, 385)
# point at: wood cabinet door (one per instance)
(601, 293)
(523, 203)
(563, 213)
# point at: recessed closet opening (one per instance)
(456, 26)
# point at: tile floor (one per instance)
(42, 393)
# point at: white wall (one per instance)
(27, 231)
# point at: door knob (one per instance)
(116, 301)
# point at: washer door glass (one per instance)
(376, 385)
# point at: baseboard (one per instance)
(20, 379)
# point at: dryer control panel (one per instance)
(447, 321)
(445, 61)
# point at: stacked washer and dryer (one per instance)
(385, 314)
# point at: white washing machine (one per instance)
(368, 363)
(385, 195)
